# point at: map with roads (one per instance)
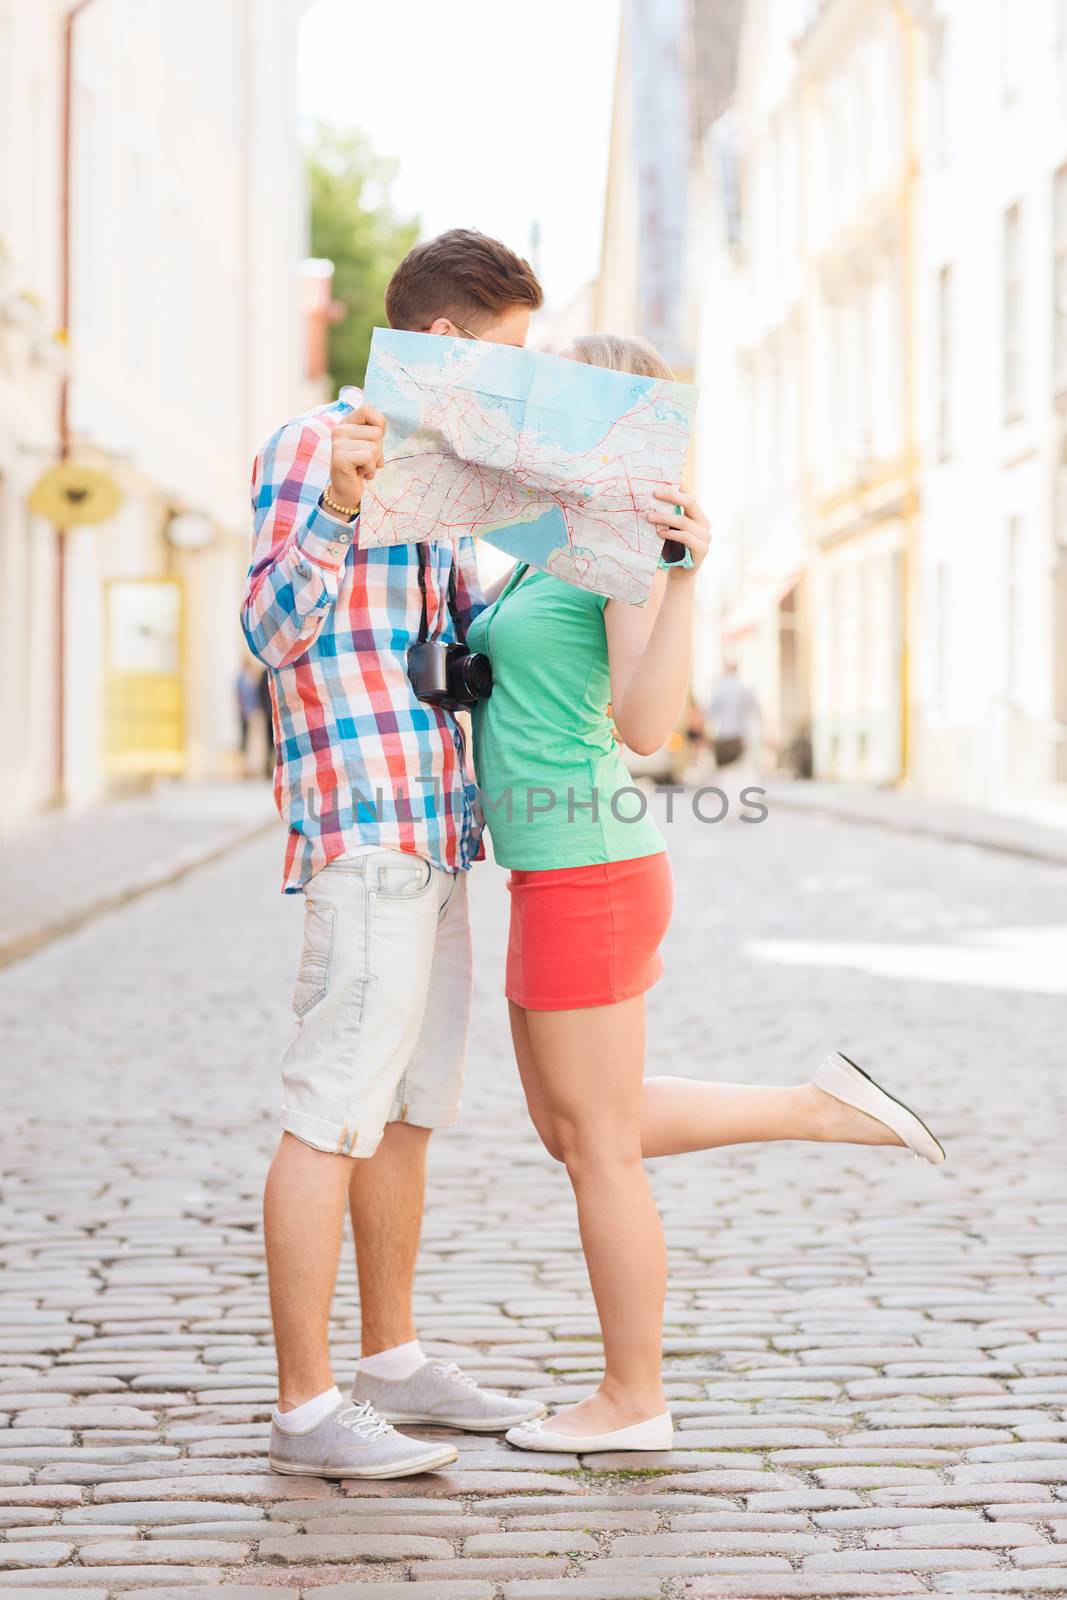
(548, 459)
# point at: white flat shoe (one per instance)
(655, 1434)
(840, 1077)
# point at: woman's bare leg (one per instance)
(536, 1103)
(585, 1068)
(685, 1114)
(680, 1114)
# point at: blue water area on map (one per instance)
(531, 541)
(400, 405)
(562, 401)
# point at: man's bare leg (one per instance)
(303, 1218)
(386, 1196)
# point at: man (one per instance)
(382, 830)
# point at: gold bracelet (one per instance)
(344, 511)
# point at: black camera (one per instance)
(449, 675)
(446, 675)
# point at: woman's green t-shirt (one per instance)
(553, 785)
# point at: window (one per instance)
(867, 618)
(944, 362)
(1012, 608)
(8, 116)
(1013, 314)
(1059, 279)
(939, 88)
(838, 642)
(777, 462)
(790, 403)
(1012, 31)
(176, 329)
(88, 293)
(135, 310)
(941, 634)
(776, 219)
(836, 154)
(859, 441)
(837, 435)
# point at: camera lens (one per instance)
(476, 675)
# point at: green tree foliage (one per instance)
(354, 225)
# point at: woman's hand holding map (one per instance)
(684, 524)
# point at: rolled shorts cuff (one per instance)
(360, 1143)
(423, 1114)
(331, 1137)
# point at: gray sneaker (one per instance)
(354, 1442)
(440, 1393)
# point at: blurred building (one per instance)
(883, 355)
(808, 338)
(30, 360)
(674, 75)
(555, 326)
(184, 348)
(991, 686)
(675, 72)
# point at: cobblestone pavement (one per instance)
(867, 1358)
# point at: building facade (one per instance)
(184, 348)
(883, 343)
(810, 247)
(991, 690)
(30, 364)
(674, 75)
(675, 72)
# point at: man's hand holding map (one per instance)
(550, 460)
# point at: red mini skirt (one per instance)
(587, 936)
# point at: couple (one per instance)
(383, 827)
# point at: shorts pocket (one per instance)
(313, 977)
(405, 880)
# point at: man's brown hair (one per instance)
(462, 275)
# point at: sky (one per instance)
(498, 113)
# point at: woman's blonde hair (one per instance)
(620, 353)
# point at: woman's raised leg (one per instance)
(686, 1114)
(683, 1114)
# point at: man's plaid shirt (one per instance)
(360, 761)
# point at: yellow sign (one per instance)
(144, 706)
(74, 495)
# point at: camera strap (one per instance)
(453, 604)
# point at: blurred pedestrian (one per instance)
(800, 756)
(267, 708)
(248, 706)
(735, 717)
(697, 757)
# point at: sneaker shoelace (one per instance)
(364, 1421)
(449, 1369)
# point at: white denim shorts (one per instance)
(382, 1001)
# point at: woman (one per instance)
(590, 902)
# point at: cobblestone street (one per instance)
(867, 1357)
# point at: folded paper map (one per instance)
(550, 460)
